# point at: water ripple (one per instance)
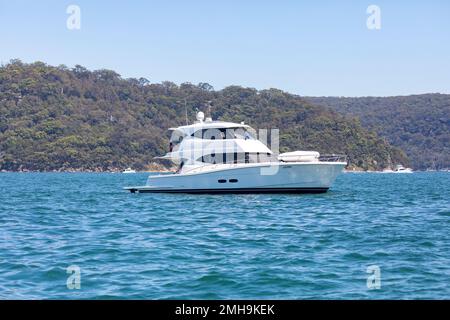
(164, 246)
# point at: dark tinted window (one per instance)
(222, 133)
(235, 158)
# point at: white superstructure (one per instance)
(129, 170)
(226, 157)
(401, 169)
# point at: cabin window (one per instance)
(235, 157)
(233, 180)
(221, 181)
(224, 133)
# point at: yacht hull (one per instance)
(310, 177)
(230, 190)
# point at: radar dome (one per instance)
(200, 116)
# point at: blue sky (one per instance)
(302, 47)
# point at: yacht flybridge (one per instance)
(225, 157)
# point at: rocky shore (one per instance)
(152, 167)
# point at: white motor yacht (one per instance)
(226, 157)
(129, 170)
(401, 169)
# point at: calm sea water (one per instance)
(165, 246)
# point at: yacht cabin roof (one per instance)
(209, 125)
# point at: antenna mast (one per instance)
(209, 109)
(185, 111)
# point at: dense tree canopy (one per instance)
(418, 124)
(56, 118)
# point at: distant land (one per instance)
(64, 119)
(417, 124)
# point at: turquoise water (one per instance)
(169, 246)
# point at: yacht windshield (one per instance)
(175, 139)
(243, 133)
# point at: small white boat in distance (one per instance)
(226, 157)
(129, 170)
(401, 169)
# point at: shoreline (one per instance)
(172, 171)
(85, 171)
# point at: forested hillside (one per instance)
(56, 118)
(418, 124)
